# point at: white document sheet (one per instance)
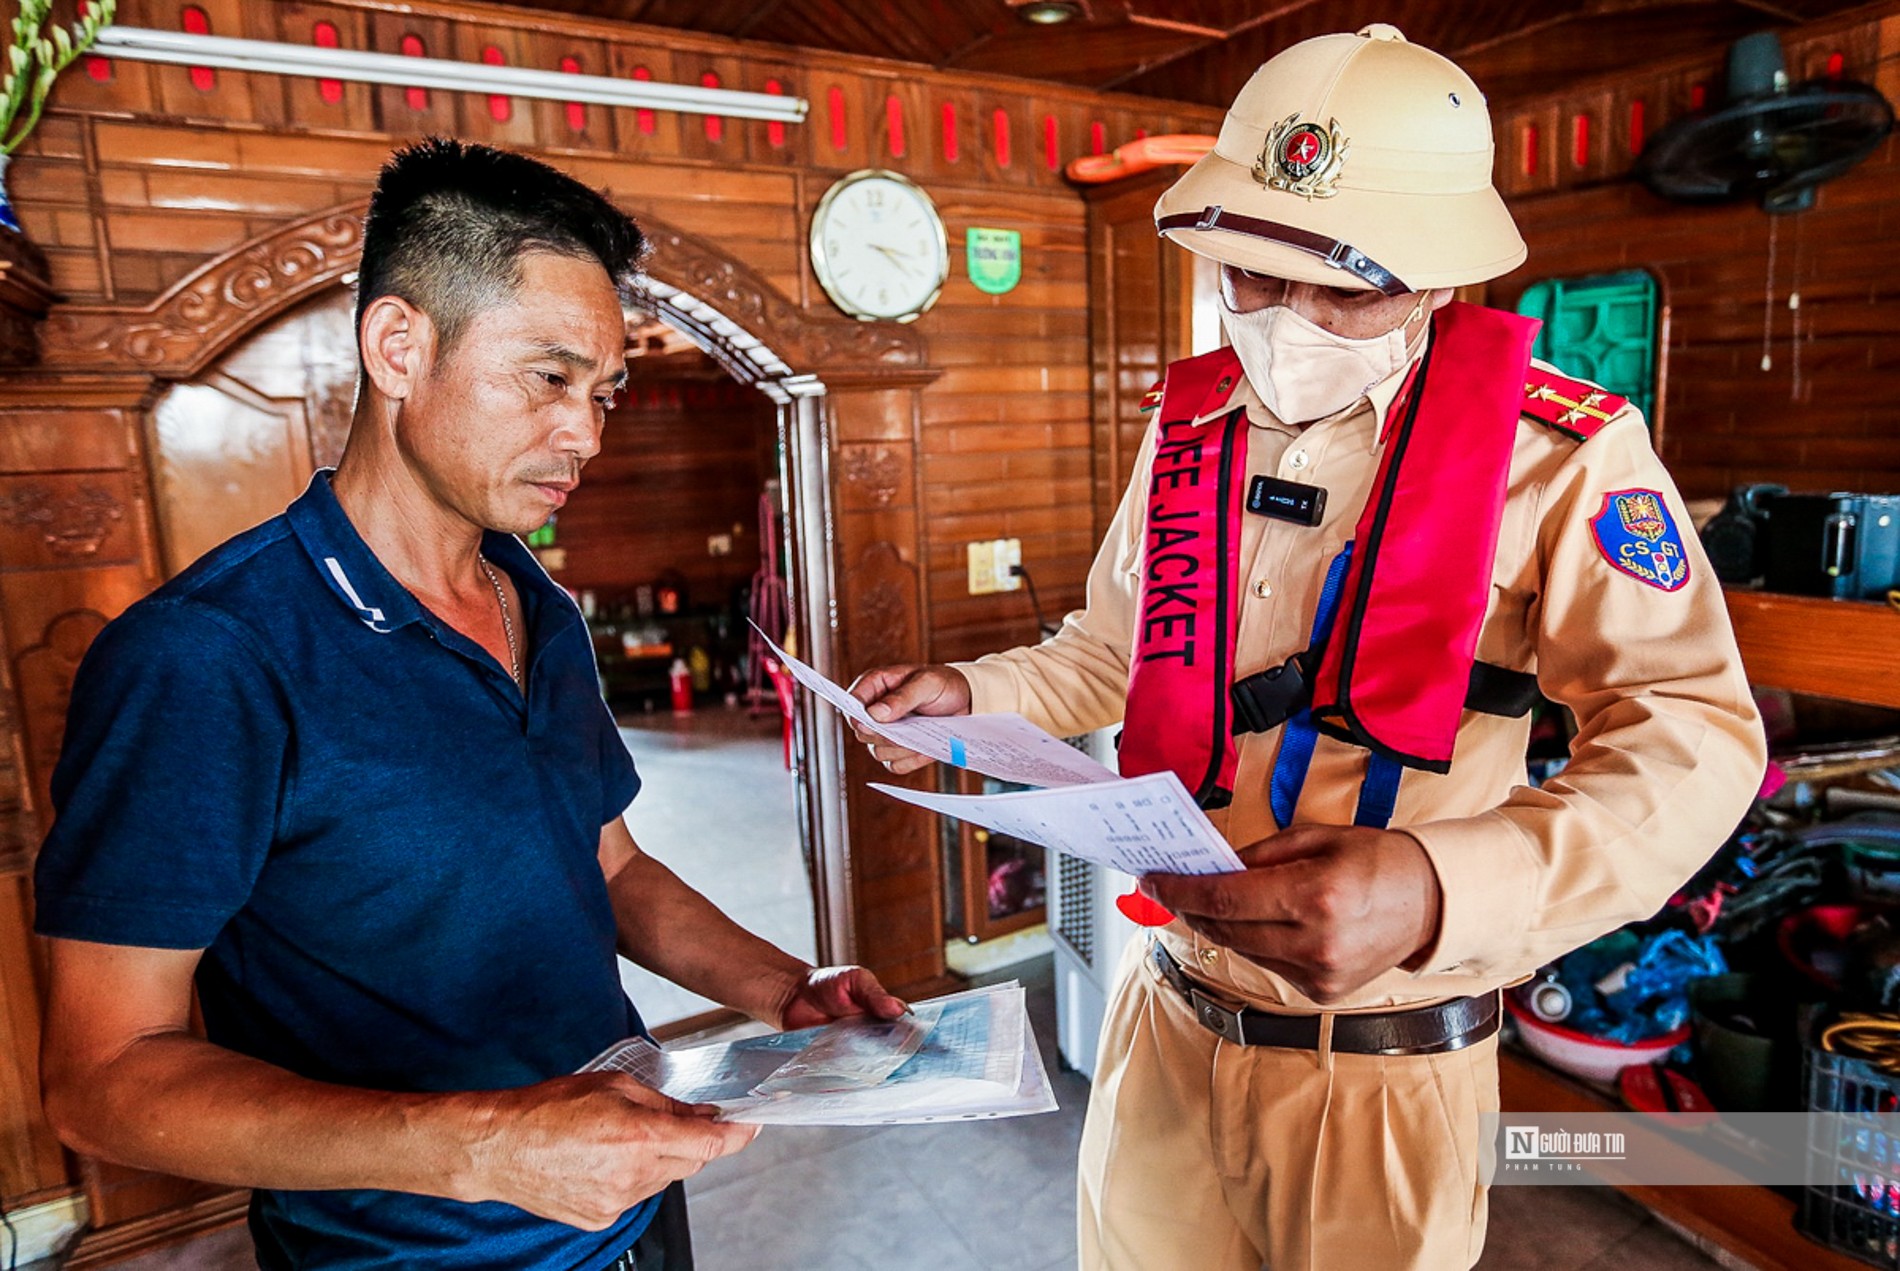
(1138, 825)
(976, 1059)
(1005, 746)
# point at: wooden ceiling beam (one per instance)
(1209, 33)
(1271, 14)
(1772, 10)
(760, 12)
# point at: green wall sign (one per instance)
(996, 258)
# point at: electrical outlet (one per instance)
(1009, 554)
(982, 558)
(990, 563)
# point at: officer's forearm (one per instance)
(1653, 788)
(1071, 683)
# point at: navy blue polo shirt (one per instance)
(389, 857)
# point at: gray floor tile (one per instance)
(802, 1145)
(1652, 1247)
(855, 1209)
(1570, 1228)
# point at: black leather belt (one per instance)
(1424, 1030)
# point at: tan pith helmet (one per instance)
(1351, 161)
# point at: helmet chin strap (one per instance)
(1338, 255)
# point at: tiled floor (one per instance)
(998, 1196)
(716, 805)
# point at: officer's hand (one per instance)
(1327, 907)
(836, 992)
(892, 692)
(583, 1150)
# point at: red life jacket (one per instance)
(1397, 670)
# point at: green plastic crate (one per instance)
(1600, 328)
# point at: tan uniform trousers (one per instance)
(1201, 1155)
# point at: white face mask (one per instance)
(1302, 371)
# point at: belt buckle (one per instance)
(1221, 1020)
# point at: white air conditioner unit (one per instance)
(1089, 935)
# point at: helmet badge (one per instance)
(1302, 158)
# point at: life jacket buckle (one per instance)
(1266, 699)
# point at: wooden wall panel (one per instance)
(1783, 333)
(680, 460)
(572, 125)
(407, 112)
(310, 103)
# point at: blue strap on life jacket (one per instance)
(1379, 793)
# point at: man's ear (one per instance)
(1441, 297)
(397, 344)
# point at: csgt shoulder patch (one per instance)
(1637, 536)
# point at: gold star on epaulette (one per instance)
(1573, 410)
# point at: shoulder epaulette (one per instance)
(1203, 382)
(1576, 408)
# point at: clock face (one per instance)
(878, 246)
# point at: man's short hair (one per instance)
(450, 221)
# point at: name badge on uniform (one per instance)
(1287, 500)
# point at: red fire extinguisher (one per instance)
(681, 676)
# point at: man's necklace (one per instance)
(507, 622)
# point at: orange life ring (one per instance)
(1137, 156)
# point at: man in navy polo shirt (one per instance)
(351, 775)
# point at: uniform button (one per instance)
(1210, 956)
(1297, 460)
(1262, 588)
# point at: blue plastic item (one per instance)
(1628, 988)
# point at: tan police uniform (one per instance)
(1201, 1153)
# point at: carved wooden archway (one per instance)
(857, 593)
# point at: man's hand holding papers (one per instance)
(962, 1057)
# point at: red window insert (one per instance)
(197, 22)
(834, 114)
(324, 36)
(412, 46)
(774, 130)
(575, 111)
(715, 124)
(894, 126)
(501, 107)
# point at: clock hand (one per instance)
(898, 258)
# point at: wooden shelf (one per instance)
(1848, 649)
(1753, 1223)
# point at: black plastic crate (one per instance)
(1851, 1202)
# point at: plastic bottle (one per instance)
(681, 677)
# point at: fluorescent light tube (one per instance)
(307, 61)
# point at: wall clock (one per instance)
(878, 246)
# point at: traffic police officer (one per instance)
(1355, 546)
